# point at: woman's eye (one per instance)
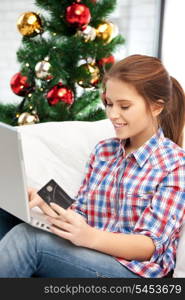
(125, 107)
(109, 104)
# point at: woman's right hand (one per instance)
(36, 200)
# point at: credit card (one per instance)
(52, 192)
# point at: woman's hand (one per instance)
(71, 226)
(36, 200)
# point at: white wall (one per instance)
(137, 21)
(10, 41)
(173, 50)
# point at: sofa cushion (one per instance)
(59, 150)
(179, 270)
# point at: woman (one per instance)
(126, 219)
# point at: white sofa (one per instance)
(59, 150)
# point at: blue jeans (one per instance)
(26, 251)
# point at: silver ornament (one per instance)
(42, 69)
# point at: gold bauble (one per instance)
(89, 34)
(29, 24)
(94, 72)
(42, 69)
(105, 31)
(27, 119)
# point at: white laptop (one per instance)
(13, 185)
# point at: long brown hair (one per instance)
(152, 81)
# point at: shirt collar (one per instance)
(143, 153)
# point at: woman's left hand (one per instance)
(71, 226)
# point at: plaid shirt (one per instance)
(141, 193)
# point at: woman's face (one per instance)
(127, 111)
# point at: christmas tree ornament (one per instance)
(26, 118)
(53, 33)
(42, 69)
(106, 62)
(90, 75)
(105, 31)
(60, 93)
(19, 84)
(78, 15)
(89, 33)
(29, 24)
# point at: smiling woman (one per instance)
(126, 114)
(158, 101)
(127, 215)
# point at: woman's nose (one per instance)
(114, 113)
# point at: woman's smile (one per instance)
(119, 125)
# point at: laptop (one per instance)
(13, 185)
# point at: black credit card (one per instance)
(52, 192)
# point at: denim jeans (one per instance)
(26, 251)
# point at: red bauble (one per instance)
(110, 60)
(60, 93)
(19, 84)
(78, 15)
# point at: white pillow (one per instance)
(59, 151)
(179, 270)
(180, 257)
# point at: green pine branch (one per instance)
(65, 50)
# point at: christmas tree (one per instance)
(66, 49)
